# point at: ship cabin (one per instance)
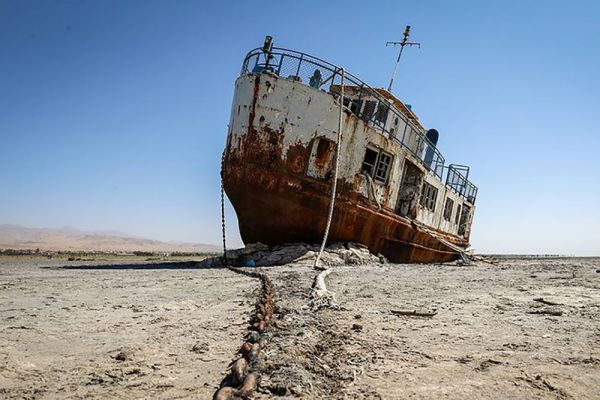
(395, 161)
(424, 196)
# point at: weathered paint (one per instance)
(277, 172)
(320, 163)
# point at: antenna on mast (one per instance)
(402, 43)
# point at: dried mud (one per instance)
(170, 331)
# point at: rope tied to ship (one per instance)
(320, 296)
(335, 171)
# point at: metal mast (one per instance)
(402, 43)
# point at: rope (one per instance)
(335, 173)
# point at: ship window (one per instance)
(383, 167)
(377, 164)
(382, 113)
(368, 165)
(368, 111)
(464, 218)
(457, 214)
(428, 196)
(355, 106)
(448, 209)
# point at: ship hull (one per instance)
(275, 209)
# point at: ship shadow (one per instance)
(214, 262)
(206, 263)
(173, 265)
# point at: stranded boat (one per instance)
(394, 192)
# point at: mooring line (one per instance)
(242, 380)
(335, 171)
(223, 209)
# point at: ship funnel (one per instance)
(432, 135)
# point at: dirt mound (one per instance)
(261, 255)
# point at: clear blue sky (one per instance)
(113, 114)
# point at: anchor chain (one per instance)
(242, 380)
(223, 210)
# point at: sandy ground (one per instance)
(61, 330)
(168, 331)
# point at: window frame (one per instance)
(379, 162)
(429, 195)
(369, 110)
(371, 167)
(387, 164)
(448, 208)
(381, 114)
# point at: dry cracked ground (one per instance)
(167, 330)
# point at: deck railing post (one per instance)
(280, 63)
(256, 62)
(299, 62)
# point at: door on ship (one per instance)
(410, 188)
(464, 220)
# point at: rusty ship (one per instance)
(395, 194)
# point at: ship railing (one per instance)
(302, 67)
(458, 182)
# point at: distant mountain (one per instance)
(20, 237)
